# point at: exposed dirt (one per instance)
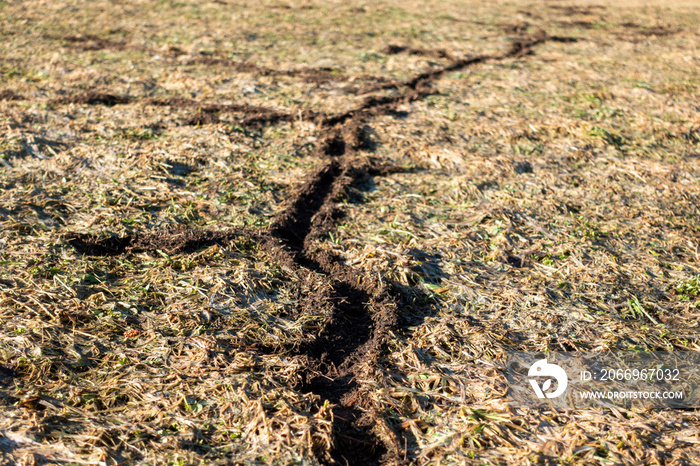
(367, 312)
(169, 242)
(364, 312)
(92, 98)
(341, 135)
(294, 224)
(177, 102)
(248, 116)
(636, 33)
(311, 212)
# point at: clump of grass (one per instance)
(689, 289)
(610, 137)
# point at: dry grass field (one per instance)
(308, 232)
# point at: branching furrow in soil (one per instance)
(365, 309)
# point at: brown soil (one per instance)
(365, 311)
(635, 33)
(177, 242)
(92, 98)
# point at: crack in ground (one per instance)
(365, 309)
